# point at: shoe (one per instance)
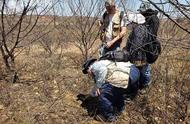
(131, 96)
(144, 85)
(111, 119)
(142, 91)
(100, 117)
(118, 113)
(128, 100)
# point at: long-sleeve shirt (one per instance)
(115, 73)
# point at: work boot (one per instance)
(111, 119)
(143, 90)
(100, 117)
(144, 86)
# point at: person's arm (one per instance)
(100, 24)
(124, 23)
(120, 35)
(99, 71)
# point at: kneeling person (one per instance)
(112, 80)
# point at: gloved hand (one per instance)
(107, 56)
(119, 56)
(103, 49)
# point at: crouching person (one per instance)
(111, 81)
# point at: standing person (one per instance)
(135, 46)
(141, 36)
(112, 28)
(111, 81)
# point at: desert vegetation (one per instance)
(41, 53)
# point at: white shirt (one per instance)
(109, 30)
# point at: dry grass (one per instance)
(46, 92)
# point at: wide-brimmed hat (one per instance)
(87, 64)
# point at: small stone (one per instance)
(54, 97)
(169, 106)
(16, 85)
(3, 118)
(158, 108)
(156, 118)
(54, 81)
(37, 93)
(54, 116)
(172, 95)
(56, 91)
(1, 107)
(160, 90)
(188, 109)
(35, 88)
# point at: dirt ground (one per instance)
(48, 86)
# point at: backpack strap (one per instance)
(121, 16)
(105, 14)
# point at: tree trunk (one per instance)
(10, 66)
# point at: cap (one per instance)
(87, 64)
(110, 3)
(144, 6)
(149, 12)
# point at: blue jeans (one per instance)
(111, 100)
(145, 75)
(133, 82)
(134, 74)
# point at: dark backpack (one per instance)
(153, 49)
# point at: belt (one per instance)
(139, 63)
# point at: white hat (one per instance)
(136, 17)
(144, 6)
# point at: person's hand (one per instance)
(119, 56)
(97, 92)
(108, 56)
(109, 44)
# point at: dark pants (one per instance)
(111, 100)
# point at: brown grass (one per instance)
(46, 92)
